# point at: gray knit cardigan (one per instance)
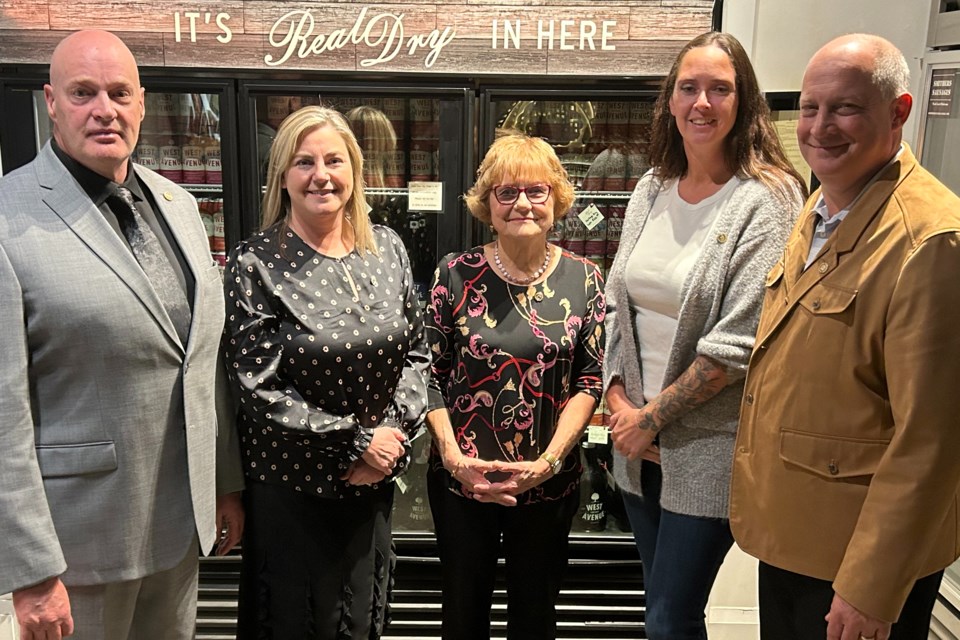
(719, 312)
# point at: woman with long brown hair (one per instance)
(702, 229)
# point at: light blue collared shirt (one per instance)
(827, 224)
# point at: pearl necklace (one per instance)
(509, 278)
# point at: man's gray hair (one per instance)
(891, 75)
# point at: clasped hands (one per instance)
(512, 478)
(631, 438)
(380, 458)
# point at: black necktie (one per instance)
(153, 260)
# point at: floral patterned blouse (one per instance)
(320, 351)
(507, 358)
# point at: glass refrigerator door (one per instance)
(602, 142)
(180, 138)
(416, 150)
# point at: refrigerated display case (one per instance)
(601, 138)
(231, 58)
(186, 136)
(417, 151)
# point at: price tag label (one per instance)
(425, 196)
(591, 216)
(598, 434)
(401, 484)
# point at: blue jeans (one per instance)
(681, 556)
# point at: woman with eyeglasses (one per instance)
(702, 229)
(515, 328)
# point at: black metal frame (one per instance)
(456, 141)
(495, 93)
(18, 126)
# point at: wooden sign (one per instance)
(525, 37)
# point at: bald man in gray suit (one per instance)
(111, 418)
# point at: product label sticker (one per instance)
(598, 434)
(425, 196)
(401, 484)
(591, 216)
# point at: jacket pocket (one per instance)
(824, 299)
(831, 457)
(84, 458)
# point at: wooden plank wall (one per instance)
(476, 37)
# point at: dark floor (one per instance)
(602, 598)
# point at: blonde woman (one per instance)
(377, 140)
(325, 345)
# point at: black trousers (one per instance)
(314, 568)
(534, 545)
(793, 606)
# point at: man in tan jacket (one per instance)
(847, 462)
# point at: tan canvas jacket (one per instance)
(847, 459)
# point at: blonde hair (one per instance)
(524, 159)
(377, 140)
(295, 127)
(372, 129)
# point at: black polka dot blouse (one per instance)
(321, 351)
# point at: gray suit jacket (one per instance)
(108, 424)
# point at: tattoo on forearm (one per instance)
(701, 381)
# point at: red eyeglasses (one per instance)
(508, 193)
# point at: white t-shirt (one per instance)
(666, 250)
